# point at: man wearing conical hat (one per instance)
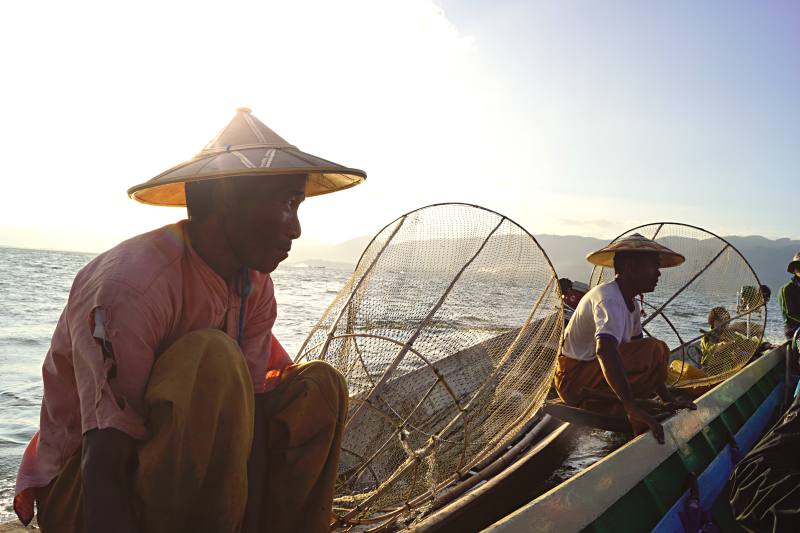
(168, 404)
(789, 299)
(604, 349)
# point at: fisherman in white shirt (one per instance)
(604, 349)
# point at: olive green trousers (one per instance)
(221, 459)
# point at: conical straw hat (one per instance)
(636, 243)
(246, 147)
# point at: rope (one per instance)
(244, 289)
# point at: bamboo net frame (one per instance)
(447, 333)
(715, 274)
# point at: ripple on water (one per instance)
(24, 341)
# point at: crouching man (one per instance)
(604, 349)
(168, 403)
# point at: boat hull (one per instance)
(635, 487)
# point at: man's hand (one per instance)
(641, 421)
(614, 372)
(107, 473)
(682, 404)
(670, 400)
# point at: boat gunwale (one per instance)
(582, 499)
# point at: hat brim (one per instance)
(666, 259)
(171, 192)
(266, 160)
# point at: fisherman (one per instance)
(571, 294)
(789, 299)
(168, 404)
(604, 349)
(766, 293)
(564, 285)
(720, 336)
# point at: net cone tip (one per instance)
(244, 110)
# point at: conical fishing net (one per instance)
(715, 282)
(447, 333)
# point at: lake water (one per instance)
(34, 285)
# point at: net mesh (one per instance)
(447, 334)
(714, 277)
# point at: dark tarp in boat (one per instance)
(765, 486)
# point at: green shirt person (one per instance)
(789, 299)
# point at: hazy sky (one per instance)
(569, 117)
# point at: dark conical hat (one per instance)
(636, 243)
(246, 147)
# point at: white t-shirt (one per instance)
(602, 311)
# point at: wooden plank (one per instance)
(582, 417)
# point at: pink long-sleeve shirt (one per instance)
(140, 296)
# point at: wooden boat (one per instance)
(643, 486)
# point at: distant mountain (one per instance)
(568, 253)
(343, 255)
(768, 258)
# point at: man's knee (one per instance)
(324, 373)
(206, 358)
(327, 380)
(215, 347)
(205, 339)
(658, 350)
